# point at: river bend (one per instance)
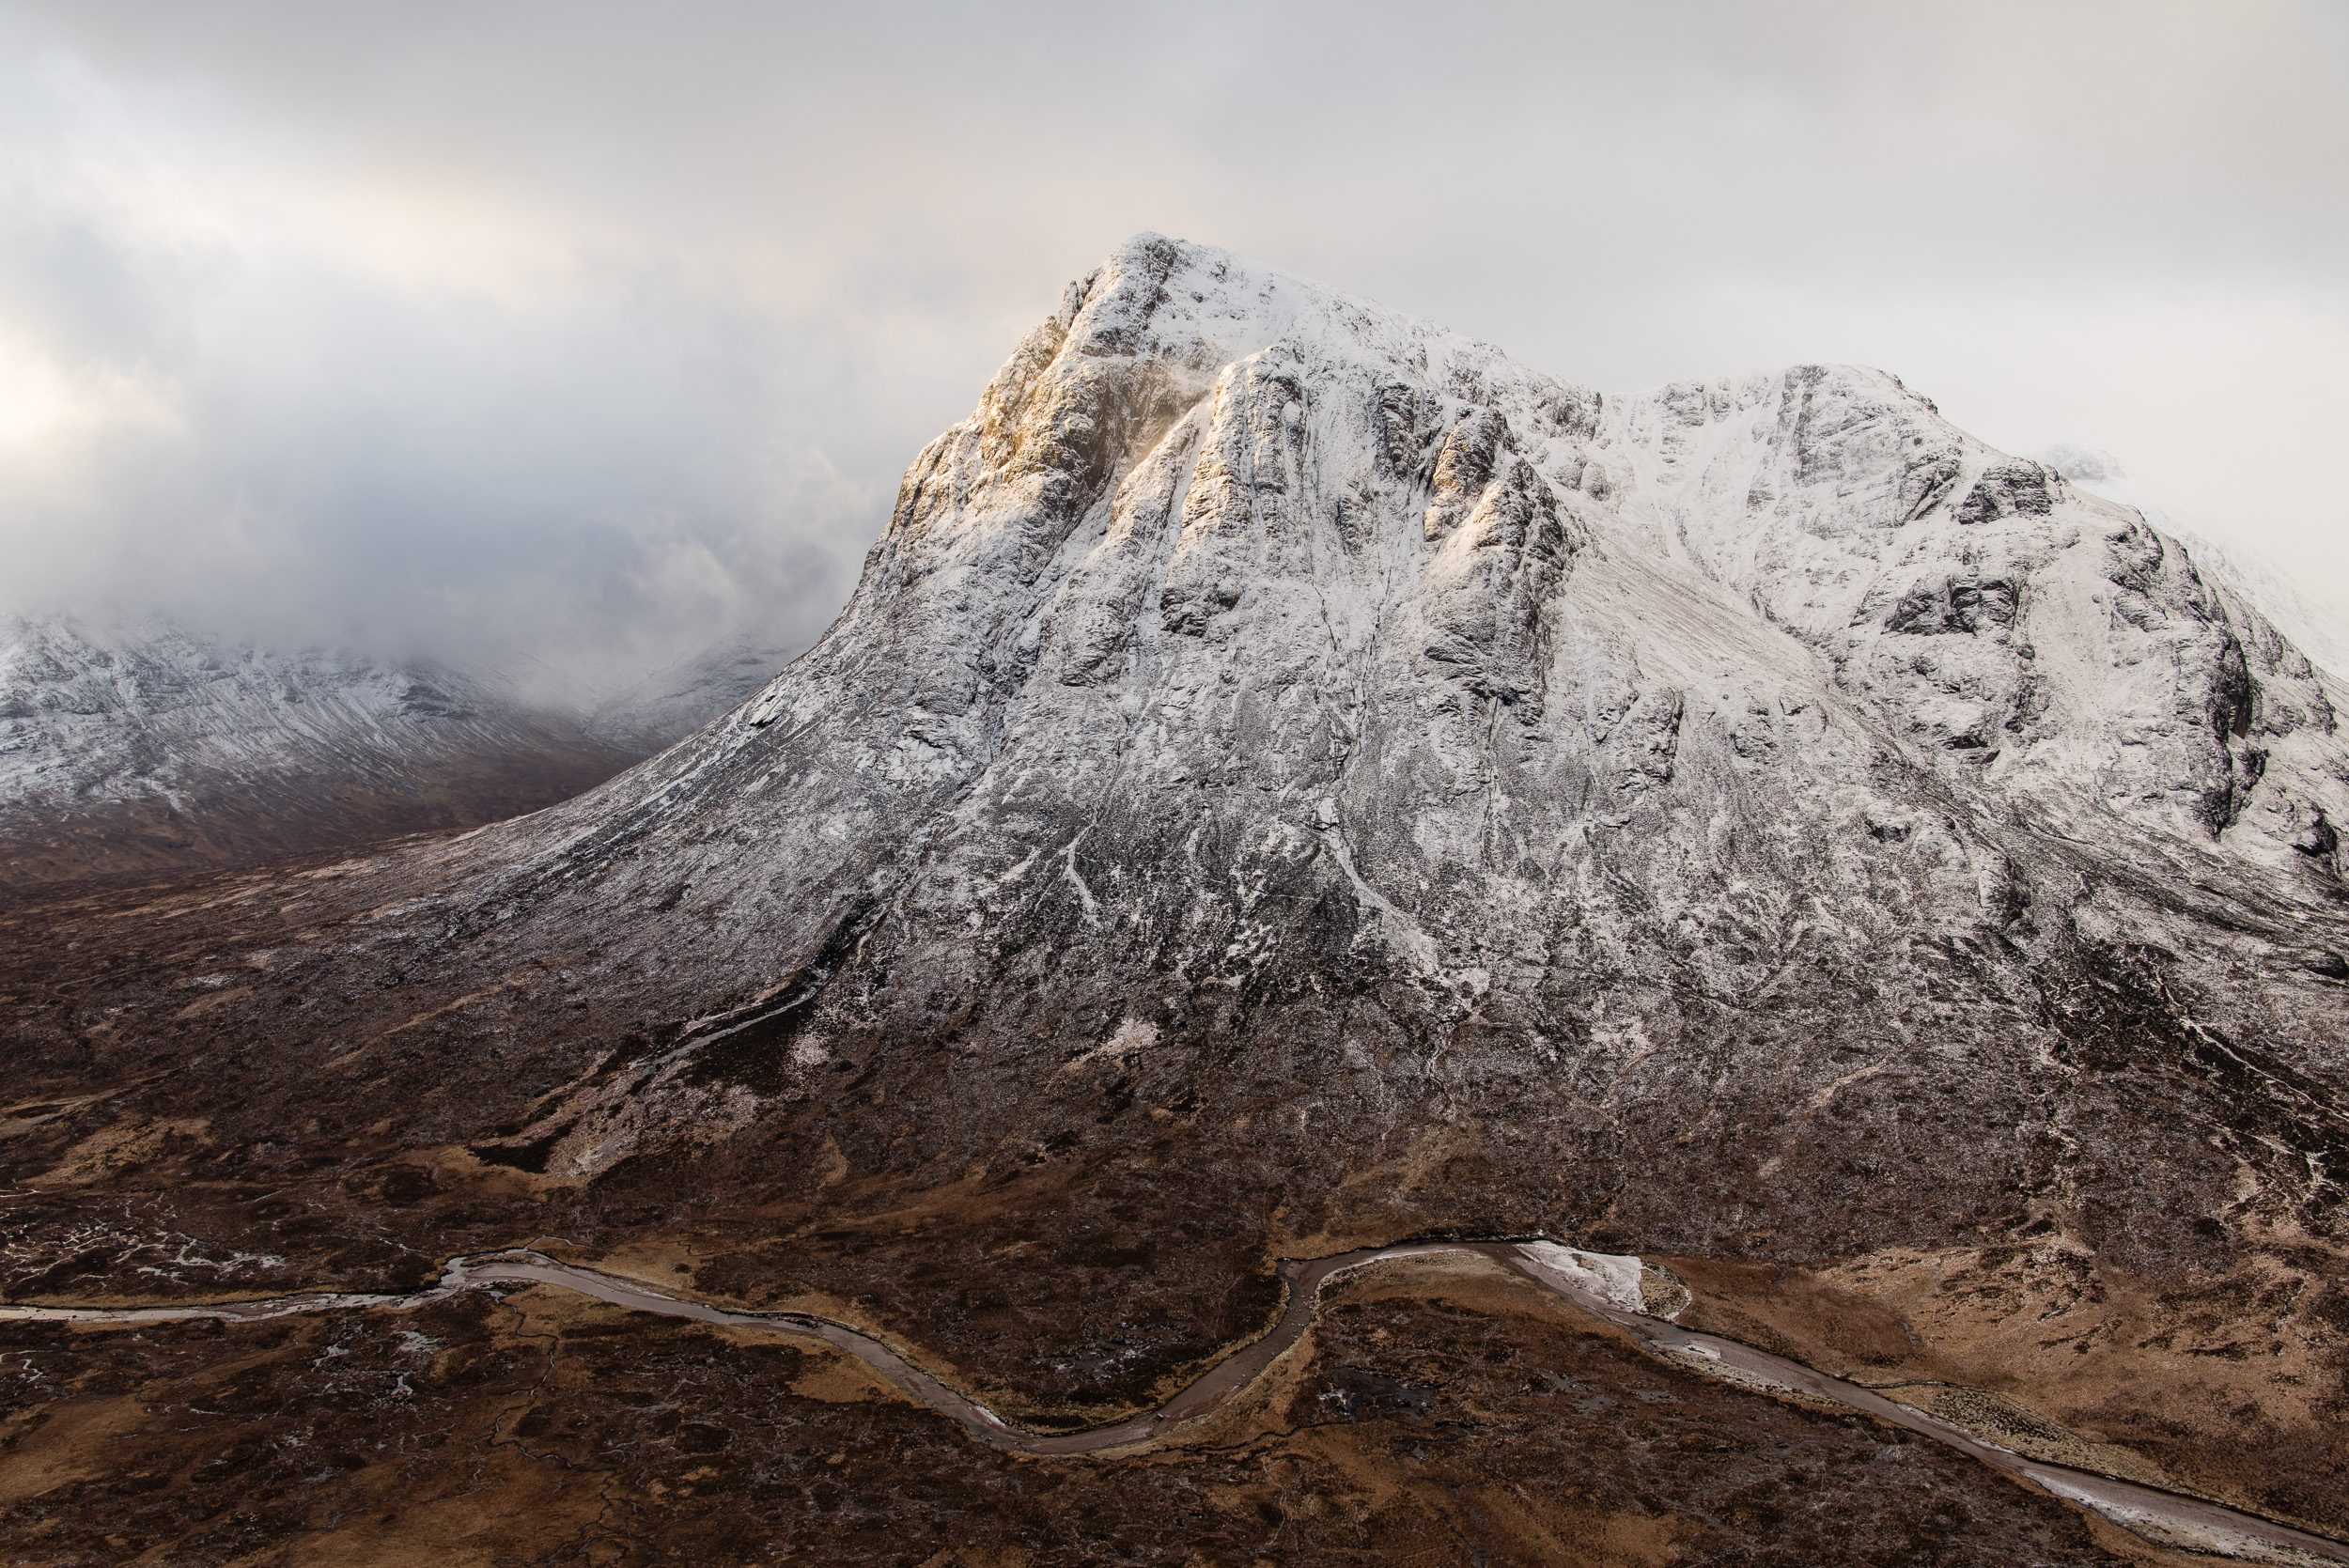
(1599, 1283)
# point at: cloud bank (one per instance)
(585, 331)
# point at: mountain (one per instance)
(2318, 628)
(1255, 663)
(1289, 779)
(673, 702)
(141, 748)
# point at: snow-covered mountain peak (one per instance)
(1163, 333)
(1201, 475)
(1219, 545)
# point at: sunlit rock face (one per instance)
(1739, 810)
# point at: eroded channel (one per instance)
(1602, 1285)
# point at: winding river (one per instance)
(1595, 1282)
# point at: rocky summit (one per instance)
(1292, 779)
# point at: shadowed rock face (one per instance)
(1291, 777)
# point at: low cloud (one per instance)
(585, 332)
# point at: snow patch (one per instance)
(1131, 1036)
(1613, 1277)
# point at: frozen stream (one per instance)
(1604, 1285)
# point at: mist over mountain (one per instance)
(2302, 600)
(489, 338)
(137, 747)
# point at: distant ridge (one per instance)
(136, 747)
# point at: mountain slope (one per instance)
(1290, 778)
(139, 748)
(2320, 631)
(2317, 628)
(665, 707)
(146, 750)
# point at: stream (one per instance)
(1592, 1281)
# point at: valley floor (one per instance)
(1438, 1410)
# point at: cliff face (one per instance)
(2002, 625)
(1291, 777)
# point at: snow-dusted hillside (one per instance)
(2317, 626)
(675, 700)
(1252, 648)
(2012, 630)
(100, 713)
(139, 747)
(2314, 615)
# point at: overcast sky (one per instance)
(503, 327)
